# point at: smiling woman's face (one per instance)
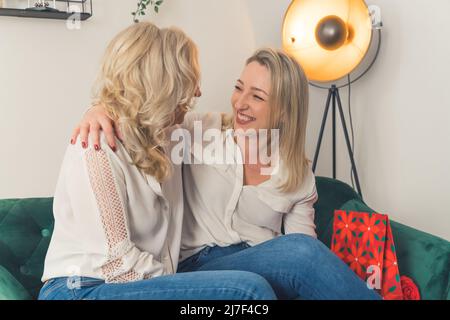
(250, 99)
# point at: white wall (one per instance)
(401, 109)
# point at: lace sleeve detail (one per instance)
(113, 217)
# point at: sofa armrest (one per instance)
(425, 258)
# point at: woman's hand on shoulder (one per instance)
(95, 120)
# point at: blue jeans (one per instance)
(295, 265)
(206, 285)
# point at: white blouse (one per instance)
(220, 210)
(111, 221)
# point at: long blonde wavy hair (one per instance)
(147, 74)
(289, 100)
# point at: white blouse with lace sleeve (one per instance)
(111, 221)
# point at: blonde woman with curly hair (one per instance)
(239, 218)
(118, 211)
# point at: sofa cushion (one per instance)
(332, 195)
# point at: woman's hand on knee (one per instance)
(95, 120)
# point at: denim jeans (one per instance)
(295, 265)
(205, 285)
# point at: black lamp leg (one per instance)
(334, 89)
(350, 152)
(333, 93)
(322, 127)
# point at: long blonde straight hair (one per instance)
(146, 74)
(289, 100)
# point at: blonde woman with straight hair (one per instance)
(118, 211)
(238, 218)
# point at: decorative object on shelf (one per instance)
(49, 9)
(42, 5)
(142, 7)
(330, 38)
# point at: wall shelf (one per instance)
(40, 14)
(59, 15)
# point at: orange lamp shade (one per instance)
(329, 38)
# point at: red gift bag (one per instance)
(364, 241)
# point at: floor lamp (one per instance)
(330, 38)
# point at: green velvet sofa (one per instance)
(26, 227)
